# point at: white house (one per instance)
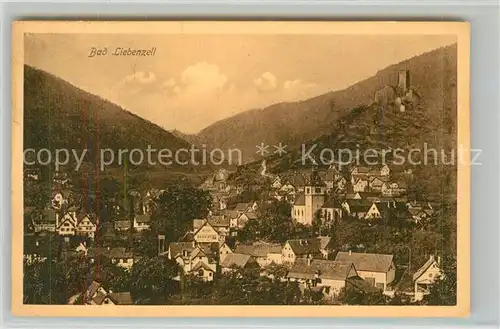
(206, 233)
(426, 276)
(142, 222)
(87, 225)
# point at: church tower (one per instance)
(314, 194)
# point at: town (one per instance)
(358, 235)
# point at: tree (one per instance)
(178, 205)
(153, 280)
(353, 296)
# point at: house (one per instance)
(357, 207)
(370, 196)
(329, 276)
(118, 256)
(264, 253)
(378, 269)
(340, 184)
(118, 298)
(233, 217)
(426, 276)
(375, 183)
(189, 255)
(359, 184)
(376, 211)
(238, 260)
(45, 221)
(67, 224)
(308, 204)
(122, 225)
(419, 214)
(287, 188)
(245, 218)
(87, 225)
(60, 199)
(276, 184)
(223, 251)
(243, 207)
(326, 246)
(360, 170)
(207, 233)
(142, 222)
(221, 224)
(301, 248)
(393, 188)
(331, 210)
(203, 271)
(97, 295)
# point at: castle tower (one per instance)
(314, 193)
(404, 81)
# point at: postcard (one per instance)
(251, 169)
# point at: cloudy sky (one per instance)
(195, 80)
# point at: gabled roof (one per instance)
(319, 268)
(305, 246)
(258, 250)
(300, 201)
(332, 202)
(367, 262)
(202, 265)
(219, 221)
(242, 206)
(121, 298)
(250, 215)
(143, 218)
(230, 213)
(177, 248)
(424, 268)
(325, 242)
(235, 259)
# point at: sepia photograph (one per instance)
(259, 168)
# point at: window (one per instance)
(317, 189)
(307, 190)
(210, 274)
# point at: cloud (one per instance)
(266, 82)
(141, 77)
(297, 84)
(202, 94)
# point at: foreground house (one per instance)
(97, 295)
(301, 248)
(329, 276)
(264, 253)
(426, 276)
(378, 269)
(142, 222)
(236, 260)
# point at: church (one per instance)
(314, 200)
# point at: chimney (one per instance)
(309, 260)
(37, 243)
(349, 252)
